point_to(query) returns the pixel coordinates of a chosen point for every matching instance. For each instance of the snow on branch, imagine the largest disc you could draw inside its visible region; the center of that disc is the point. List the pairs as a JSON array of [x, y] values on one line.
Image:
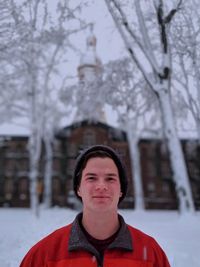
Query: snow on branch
[[124, 27], [164, 20], [145, 36]]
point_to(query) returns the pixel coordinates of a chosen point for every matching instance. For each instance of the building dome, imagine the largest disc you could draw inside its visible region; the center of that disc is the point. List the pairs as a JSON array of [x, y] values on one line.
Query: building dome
[[90, 73], [90, 64]]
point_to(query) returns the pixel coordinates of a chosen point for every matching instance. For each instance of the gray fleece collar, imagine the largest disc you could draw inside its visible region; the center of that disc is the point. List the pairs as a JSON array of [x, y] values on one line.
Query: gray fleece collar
[[78, 240]]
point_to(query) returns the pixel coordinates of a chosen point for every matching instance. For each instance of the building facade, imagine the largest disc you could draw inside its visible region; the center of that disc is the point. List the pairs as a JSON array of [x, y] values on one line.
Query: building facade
[[158, 186]]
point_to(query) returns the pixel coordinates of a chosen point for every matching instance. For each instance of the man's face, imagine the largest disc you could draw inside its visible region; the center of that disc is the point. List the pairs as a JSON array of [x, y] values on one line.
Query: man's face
[[100, 185]]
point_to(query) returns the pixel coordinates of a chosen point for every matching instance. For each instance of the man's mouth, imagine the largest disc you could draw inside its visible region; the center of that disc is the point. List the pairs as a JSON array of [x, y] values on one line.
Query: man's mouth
[[101, 197]]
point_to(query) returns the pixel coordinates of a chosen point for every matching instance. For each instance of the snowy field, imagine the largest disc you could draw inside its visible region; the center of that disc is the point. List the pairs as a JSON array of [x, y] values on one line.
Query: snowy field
[[178, 235]]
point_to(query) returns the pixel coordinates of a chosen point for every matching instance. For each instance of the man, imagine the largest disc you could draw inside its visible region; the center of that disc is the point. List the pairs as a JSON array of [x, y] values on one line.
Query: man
[[98, 236]]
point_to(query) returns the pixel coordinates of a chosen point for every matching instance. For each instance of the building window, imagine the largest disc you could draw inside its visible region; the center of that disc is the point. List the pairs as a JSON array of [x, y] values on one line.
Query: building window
[[70, 167], [165, 188], [151, 168], [72, 150], [164, 150], [151, 189], [8, 188], [89, 138], [56, 145], [193, 169], [166, 172], [191, 149], [121, 152], [23, 188], [56, 186]]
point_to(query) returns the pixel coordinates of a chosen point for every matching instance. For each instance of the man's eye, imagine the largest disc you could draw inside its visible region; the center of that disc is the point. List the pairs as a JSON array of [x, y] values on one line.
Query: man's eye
[[90, 178], [111, 179]]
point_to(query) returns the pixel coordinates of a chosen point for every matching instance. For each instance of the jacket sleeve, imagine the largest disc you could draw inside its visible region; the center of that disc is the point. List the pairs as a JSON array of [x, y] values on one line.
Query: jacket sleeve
[[49, 248], [160, 256], [34, 258]]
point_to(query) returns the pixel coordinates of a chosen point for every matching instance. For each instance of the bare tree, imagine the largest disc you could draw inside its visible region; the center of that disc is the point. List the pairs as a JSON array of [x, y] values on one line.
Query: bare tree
[[8, 75], [186, 39], [126, 93], [42, 41], [146, 40]]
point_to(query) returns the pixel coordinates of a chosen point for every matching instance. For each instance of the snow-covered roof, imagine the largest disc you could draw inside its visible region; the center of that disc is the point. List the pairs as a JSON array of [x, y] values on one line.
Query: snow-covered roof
[[182, 134], [13, 129]]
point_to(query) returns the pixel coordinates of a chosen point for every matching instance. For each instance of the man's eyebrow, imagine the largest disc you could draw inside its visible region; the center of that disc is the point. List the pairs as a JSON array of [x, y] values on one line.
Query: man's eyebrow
[[111, 174], [90, 173], [107, 174]]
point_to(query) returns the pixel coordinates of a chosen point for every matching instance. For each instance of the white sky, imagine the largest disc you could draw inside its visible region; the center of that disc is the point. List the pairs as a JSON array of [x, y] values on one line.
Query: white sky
[[109, 43], [109, 47]]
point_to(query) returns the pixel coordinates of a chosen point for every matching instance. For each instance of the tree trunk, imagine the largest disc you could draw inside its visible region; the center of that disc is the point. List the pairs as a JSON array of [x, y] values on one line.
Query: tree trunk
[[180, 175], [48, 173], [34, 153], [136, 168], [34, 201]]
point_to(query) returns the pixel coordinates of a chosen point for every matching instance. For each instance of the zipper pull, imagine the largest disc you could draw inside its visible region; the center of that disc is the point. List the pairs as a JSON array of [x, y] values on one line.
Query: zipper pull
[[145, 253]]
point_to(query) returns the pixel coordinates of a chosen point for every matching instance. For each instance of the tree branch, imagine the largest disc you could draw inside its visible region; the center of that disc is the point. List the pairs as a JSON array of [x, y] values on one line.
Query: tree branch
[[127, 42]]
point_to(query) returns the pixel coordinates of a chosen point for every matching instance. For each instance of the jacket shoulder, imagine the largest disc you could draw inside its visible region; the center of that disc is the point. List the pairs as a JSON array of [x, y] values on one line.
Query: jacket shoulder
[[51, 247], [147, 247], [140, 235]]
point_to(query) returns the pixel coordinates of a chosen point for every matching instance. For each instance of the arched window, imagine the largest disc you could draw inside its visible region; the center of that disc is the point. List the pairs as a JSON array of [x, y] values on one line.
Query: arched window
[[89, 138]]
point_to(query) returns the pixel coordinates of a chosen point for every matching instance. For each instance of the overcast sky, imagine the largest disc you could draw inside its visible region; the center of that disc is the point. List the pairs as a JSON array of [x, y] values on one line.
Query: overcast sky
[[109, 43], [109, 47]]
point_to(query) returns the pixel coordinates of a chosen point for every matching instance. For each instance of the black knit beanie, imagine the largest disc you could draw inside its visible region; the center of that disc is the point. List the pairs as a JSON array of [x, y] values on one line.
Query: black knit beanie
[[113, 154]]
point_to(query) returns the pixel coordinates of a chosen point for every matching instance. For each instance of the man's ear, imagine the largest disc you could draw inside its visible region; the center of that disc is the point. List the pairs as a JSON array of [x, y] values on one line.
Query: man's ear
[[120, 194], [78, 193]]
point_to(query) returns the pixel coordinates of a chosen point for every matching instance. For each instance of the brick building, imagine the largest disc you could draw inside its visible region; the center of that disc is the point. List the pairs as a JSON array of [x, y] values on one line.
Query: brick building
[[158, 186]]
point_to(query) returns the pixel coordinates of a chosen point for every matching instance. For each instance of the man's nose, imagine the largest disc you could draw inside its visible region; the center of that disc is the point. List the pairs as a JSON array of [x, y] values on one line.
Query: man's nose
[[101, 185]]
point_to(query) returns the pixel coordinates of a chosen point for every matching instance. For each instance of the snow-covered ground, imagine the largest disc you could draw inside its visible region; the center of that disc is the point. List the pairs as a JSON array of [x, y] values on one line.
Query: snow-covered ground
[[178, 235]]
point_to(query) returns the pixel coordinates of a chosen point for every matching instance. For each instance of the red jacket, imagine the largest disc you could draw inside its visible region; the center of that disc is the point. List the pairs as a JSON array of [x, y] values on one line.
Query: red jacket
[[68, 247]]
